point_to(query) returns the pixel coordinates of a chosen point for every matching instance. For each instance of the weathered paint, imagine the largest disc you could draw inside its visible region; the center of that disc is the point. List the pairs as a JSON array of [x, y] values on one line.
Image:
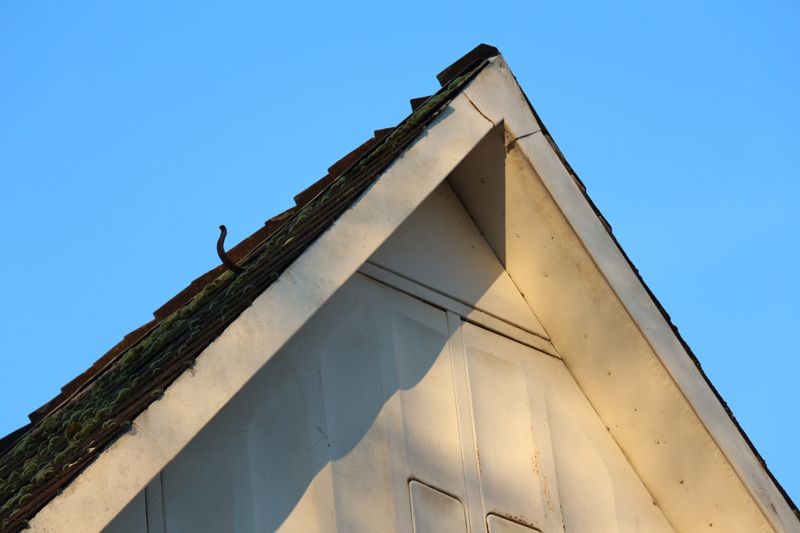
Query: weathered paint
[[356, 426]]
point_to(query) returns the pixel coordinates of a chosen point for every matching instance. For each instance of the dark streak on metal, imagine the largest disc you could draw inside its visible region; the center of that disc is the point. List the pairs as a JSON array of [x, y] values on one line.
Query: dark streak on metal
[[478, 109], [513, 141]]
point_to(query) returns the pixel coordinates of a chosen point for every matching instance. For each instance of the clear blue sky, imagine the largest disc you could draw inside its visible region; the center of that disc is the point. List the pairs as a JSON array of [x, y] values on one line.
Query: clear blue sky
[[130, 130]]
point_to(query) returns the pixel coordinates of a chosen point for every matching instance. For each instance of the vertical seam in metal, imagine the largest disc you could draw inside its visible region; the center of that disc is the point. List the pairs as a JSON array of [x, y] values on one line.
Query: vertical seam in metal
[[469, 457]]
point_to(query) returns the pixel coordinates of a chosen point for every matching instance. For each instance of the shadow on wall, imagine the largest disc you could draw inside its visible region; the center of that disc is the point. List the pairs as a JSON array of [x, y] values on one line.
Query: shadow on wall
[[279, 443]]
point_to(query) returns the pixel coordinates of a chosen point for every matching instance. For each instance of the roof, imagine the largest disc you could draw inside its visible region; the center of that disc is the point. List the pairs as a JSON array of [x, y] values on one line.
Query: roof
[[70, 431]]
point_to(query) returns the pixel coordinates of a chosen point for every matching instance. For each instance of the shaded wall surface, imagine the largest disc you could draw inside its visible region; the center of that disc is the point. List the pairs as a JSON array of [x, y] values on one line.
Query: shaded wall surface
[[385, 413]]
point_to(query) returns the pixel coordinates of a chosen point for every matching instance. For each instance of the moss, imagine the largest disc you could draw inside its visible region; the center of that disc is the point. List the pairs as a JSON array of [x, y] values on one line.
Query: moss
[[87, 427], [71, 429], [59, 457], [122, 395], [156, 394], [13, 478], [23, 493], [128, 357], [109, 424], [29, 468], [55, 442], [43, 474]]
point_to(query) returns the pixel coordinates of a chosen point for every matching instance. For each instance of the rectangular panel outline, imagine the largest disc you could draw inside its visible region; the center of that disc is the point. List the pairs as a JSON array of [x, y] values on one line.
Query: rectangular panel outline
[[516, 521], [542, 520], [445, 493], [464, 311], [466, 425], [154, 505]]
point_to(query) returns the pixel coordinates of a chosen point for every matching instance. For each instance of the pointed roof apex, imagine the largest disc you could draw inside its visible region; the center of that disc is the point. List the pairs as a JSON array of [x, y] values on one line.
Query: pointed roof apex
[[479, 53], [309, 251]]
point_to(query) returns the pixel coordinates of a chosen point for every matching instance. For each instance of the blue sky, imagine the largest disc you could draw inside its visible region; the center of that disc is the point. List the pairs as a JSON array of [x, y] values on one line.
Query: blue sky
[[130, 131]]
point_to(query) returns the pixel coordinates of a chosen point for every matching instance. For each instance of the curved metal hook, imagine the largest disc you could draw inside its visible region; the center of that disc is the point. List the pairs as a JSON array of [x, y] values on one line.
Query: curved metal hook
[[223, 232]]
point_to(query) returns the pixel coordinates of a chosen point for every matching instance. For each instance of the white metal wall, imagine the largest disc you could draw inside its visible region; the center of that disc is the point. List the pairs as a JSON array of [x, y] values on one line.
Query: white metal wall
[[385, 413]]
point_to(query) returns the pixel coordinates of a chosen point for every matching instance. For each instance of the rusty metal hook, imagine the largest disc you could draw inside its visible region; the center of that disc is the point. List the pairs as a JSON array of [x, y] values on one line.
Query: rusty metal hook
[[227, 261]]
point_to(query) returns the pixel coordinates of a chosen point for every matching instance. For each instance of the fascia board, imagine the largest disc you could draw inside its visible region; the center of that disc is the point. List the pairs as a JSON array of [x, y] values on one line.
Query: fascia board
[[101, 491], [496, 94]]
